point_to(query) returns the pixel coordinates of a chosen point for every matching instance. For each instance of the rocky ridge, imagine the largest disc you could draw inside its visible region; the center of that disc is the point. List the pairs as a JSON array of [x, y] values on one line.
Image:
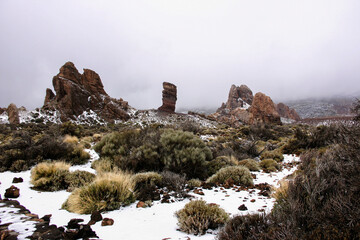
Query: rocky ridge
[[76, 93], [244, 108]]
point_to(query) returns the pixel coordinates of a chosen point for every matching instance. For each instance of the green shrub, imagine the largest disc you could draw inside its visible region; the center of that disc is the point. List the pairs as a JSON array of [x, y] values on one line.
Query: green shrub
[[184, 153], [197, 216], [269, 165], [222, 161], [71, 129], [108, 192], [274, 154], [239, 174], [251, 164]]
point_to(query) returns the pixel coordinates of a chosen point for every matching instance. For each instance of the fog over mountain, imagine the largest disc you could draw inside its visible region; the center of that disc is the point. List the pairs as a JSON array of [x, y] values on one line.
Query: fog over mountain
[[286, 49]]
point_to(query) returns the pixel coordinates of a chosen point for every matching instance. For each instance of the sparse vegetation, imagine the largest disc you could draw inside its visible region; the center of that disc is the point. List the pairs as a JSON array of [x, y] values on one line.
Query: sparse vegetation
[[251, 164], [269, 165], [197, 216]]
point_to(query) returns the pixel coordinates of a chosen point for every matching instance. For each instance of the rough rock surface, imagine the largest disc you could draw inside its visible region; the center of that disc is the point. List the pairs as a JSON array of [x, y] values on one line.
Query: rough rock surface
[[2, 110], [12, 192], [76, 93], [13, 114], [286, 112], [244, 108], [263, 110], [169, 97]]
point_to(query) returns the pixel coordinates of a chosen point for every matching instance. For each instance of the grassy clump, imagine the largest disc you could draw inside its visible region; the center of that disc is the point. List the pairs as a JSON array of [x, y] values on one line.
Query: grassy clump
[[55, 176], [194, 183], [269, 165], [251, 164], [108, 192], [238, 174], [222, 161], [197, 216]]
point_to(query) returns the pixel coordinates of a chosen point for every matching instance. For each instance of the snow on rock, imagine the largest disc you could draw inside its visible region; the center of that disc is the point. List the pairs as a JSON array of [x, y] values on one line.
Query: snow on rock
[[4, 118]]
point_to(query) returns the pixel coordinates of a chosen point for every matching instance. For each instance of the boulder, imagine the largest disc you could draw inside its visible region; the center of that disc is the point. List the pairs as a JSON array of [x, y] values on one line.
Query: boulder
[[169, 97], [239, 97], [12, 192], [76, 93], [13, 114], [263, 110], [286, 112], [140, 204], [17, 180]]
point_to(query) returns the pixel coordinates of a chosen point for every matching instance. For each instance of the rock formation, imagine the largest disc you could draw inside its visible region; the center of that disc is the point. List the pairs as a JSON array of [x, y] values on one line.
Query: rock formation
[[76, 93], [263, 110], [244, 108], [286, 112], [2, 110], [169, 97], [13, 114]]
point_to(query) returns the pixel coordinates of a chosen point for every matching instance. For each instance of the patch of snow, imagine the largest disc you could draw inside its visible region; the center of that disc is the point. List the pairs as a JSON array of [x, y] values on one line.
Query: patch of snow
[[88, 117], [47, 116], [4, 118], [287, 120]]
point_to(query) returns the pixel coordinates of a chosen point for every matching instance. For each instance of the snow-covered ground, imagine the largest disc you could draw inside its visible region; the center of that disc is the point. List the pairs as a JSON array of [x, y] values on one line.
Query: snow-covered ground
[[156, 222]]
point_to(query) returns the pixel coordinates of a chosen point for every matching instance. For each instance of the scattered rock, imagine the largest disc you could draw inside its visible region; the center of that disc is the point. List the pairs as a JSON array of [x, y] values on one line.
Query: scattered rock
[[169, 97], [17, 180], [107, 222], [74, 223], [12, 192], [199, 192], [242, 207], [13, 114], [46, 218], [252, 200]]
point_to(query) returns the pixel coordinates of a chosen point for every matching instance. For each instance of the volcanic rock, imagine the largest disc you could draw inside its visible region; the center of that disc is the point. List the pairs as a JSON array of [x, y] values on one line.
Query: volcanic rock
[[169, 97], [286, 112], [13, 114], [76, 93], [239, 97], [18, 180], [12, 192], [2, 110], [263, 110], [96, 216], [107, 222], [242, 207]]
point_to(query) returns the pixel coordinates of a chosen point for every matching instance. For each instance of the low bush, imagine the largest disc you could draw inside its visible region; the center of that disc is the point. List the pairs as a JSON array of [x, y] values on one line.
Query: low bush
[[245, 227], [251, 164], [78, 179], [108, 192], [146, 184], [240, 175], [274, 154], [269, 165], [194, 183], [197, 216], [184, 153], [174, 182], [104, 165]]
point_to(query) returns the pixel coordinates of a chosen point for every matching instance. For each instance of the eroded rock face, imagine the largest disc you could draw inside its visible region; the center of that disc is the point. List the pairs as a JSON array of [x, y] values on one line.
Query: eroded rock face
[[76, 93], [13, 114], [263, 110], [244, 108], [169, 97], [286, 112]]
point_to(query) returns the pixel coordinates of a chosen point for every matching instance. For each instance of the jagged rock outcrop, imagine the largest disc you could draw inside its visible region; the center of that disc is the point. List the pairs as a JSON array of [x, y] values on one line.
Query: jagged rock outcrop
[[2, 110], [76, 93], [263, 110], [169, 97], [13, 114], [244, 108], [286, 112]]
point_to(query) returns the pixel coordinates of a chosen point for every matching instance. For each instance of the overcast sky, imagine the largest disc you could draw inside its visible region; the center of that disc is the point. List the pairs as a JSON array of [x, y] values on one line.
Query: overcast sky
[[285, 49]]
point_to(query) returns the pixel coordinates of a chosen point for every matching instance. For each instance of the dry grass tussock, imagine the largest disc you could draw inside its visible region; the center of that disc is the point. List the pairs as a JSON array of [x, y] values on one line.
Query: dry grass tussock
[[108, 192], [42, 173], [239, 174], [71, 140]]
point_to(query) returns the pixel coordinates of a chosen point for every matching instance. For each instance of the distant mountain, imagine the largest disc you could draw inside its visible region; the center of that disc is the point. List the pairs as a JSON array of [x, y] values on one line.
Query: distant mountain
[[313, 108]]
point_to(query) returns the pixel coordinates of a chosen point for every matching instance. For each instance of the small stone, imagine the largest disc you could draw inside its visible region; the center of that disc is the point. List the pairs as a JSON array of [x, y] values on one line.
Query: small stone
[[107, 222], [199, 192], [12, 192], [140, 204], [252, 200], [242, 207], [96, 216], [17, 180], [46, 218], [74, 223]]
